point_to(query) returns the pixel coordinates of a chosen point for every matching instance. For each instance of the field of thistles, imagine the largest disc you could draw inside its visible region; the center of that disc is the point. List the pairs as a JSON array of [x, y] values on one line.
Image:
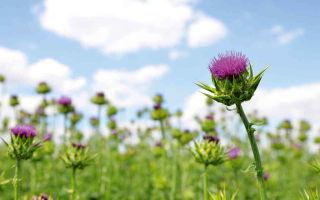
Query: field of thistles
[[232, 155]]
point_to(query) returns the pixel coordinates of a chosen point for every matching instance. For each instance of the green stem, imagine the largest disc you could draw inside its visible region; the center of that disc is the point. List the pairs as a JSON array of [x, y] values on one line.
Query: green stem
[[65, 127], [162, 129], [16, 180], [99, 116], [73, 184], [205, 183], [255, 150]]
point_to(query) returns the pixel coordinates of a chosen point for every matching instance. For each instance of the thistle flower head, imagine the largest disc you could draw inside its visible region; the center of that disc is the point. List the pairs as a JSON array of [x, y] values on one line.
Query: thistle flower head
[[228, 64], [22, 145], [209, 153], [114, 132], [43, 88], [209, 117], [25, 130], [99, 99], [100, 94], [40, 111], [233, 153], [233, 79], [266, 176], [94, 121], [211, 138], [159, 144], [47, 137], [79, 146], [64, 100], [44, 197], [2, 78], [157, 106], [14, 101]]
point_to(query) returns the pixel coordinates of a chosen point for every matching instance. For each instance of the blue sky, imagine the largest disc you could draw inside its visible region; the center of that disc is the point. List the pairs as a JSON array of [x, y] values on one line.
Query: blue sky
[[284, 34]]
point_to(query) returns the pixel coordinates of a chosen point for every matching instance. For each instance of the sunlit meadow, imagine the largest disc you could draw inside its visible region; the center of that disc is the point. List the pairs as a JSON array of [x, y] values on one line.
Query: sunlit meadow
[[159, 100]]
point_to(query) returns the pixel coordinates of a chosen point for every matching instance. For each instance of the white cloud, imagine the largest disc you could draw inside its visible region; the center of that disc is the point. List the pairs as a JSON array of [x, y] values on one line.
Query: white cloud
[[297, 102], [276, 29], [175, 54], [126, 88], [205, 31], [285, 37], [294, 103], [14, 66], [123, 26]]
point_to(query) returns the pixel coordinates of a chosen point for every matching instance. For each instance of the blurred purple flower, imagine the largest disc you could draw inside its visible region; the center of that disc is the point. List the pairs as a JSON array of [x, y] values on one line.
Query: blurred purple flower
[[64, 100], [47, 137], [233, 153], [298, 146], [228, 64], [159, 144], [211, 138], [100, 94], [44, 197], [79, 146], [114, 132], [40, 111], [26, 130], [209, 117], [157, 106], [266, 176]]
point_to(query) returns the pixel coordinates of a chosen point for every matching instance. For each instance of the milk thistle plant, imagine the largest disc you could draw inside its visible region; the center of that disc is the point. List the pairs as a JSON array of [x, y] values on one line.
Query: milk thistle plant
[[76, 156], [99, 100], [159, 114], [208, 152], [234, 83], [22, 147]]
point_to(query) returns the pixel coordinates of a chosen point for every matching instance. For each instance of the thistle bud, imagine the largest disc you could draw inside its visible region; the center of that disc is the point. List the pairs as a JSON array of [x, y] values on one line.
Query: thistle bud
[[2, 79], [14, 101], [159, 113], [64, 105], [112, 110], [208, 125], [186, 137], [94, 121], [158, 99], [112, 124], [75, 118], [209, 153], [99, 99], [77, 156], [43, 88]]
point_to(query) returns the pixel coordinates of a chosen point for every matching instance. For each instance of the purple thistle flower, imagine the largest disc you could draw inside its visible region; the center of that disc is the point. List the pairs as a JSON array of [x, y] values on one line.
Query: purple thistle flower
[[26, 130], [79, 146], [266, 176], [298, 146], [100, 94], [40, 111], [64, 100], [47, 137], [209, 117], [114, 132], [157, 106], [211, 138], [233, 153], [159, 144], [44, 197], [228, 64]]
